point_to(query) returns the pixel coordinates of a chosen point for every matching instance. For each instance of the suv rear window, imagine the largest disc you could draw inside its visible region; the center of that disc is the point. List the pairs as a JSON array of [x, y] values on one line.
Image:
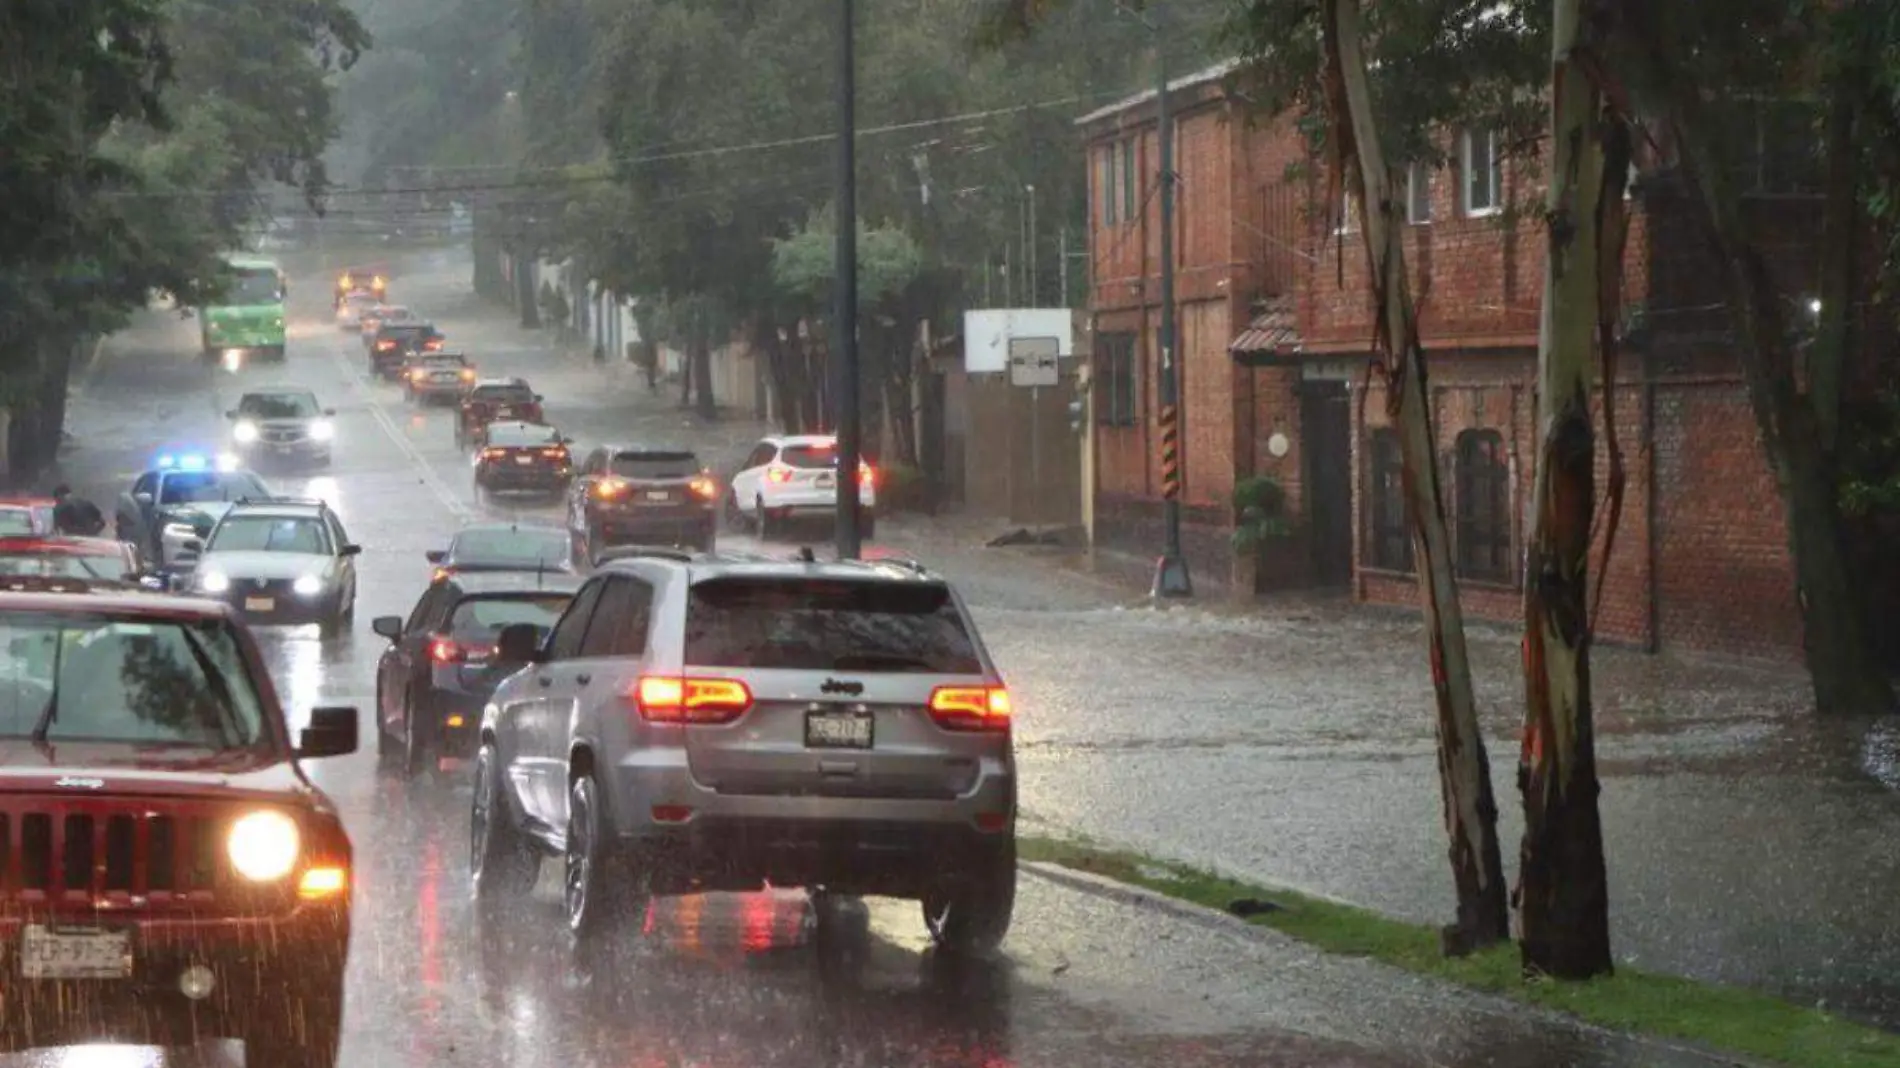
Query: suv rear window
[[652, 465], [828, 626], [810, 457], [522, 434], [481, 618], [407, 332], [504, 394]]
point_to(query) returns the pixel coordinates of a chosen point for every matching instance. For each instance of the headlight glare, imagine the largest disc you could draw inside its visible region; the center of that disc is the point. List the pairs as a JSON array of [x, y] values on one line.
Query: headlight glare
[[322, 430], [245, 432], [214, 582], [263, 846], [308, 586]]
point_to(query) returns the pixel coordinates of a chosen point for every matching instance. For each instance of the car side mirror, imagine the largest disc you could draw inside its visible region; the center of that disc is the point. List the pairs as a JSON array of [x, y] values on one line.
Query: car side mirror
[[142, 498], [351, 550], [436, 556], [196, 545], [330, 412], [520, 643], [331, 733], [387, 626], [231, 413]]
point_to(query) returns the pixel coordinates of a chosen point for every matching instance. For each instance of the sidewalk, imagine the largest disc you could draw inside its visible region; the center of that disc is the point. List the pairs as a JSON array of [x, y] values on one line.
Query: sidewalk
[[1290, 743]]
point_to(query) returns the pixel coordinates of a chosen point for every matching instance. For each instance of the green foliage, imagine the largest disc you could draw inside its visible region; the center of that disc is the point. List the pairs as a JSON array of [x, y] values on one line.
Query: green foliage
[[805, 265], [1259, 512], [1870, 464]]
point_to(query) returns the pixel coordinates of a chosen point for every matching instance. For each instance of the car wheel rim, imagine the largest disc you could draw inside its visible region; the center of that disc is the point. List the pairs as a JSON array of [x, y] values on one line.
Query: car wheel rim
[[580, 849], [479, 816]]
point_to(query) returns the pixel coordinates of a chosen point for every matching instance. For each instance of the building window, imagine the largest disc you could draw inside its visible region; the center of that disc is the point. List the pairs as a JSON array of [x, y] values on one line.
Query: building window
[[1348, 221], [1107, 184], [1482, 172], [1129, 184], [1418, 194], [1115, 378], [1482, 478], [1389, 536]]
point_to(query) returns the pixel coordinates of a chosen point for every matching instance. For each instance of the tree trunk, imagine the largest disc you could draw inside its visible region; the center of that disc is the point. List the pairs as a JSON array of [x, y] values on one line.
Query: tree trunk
[[1563, 903], [1469, 806], [708, 407]]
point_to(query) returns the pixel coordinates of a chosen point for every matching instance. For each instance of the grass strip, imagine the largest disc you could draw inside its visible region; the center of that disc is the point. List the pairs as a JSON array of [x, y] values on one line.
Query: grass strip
[[1721, 1018]]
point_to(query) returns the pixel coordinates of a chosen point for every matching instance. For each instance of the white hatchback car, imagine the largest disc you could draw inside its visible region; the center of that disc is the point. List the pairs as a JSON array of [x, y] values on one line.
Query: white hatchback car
[[793, 477]]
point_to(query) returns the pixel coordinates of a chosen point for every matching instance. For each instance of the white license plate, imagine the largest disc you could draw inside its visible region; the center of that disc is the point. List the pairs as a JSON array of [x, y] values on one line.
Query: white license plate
[[259, 604], [283, 446], [659, 495], [48, 954], [503, 413], [838, 730], [524, 460]]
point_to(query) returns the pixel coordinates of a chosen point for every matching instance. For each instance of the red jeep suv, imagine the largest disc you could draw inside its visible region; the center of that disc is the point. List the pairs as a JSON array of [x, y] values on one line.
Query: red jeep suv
[[167, 873]]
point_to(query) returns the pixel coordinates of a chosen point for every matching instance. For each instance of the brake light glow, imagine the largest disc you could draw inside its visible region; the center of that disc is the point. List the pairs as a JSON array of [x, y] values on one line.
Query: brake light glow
[[494, 454], [343, 282], [417, 373], [385, 346], [970, 708], [609, 488], [778, 473], [432, 345], [450, 651], [704, 487], [322, 882], [468, 376], [376, 282], [558, 452], [866, 476], [690, 699]]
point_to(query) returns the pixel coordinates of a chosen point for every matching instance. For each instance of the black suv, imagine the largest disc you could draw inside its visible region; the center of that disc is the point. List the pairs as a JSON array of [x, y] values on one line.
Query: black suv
[[643, 495], [396, 342]]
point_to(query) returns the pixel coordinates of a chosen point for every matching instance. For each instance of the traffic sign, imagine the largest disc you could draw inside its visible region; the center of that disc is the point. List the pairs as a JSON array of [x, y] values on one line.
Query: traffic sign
[[1033, 361]]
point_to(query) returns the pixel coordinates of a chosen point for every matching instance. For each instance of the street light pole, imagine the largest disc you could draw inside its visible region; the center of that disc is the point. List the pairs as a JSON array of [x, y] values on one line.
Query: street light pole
[[1171, 570], [844, 326]]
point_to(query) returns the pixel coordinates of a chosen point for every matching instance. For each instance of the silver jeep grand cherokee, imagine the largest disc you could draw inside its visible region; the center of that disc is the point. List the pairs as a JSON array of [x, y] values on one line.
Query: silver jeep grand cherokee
[[715, 723]]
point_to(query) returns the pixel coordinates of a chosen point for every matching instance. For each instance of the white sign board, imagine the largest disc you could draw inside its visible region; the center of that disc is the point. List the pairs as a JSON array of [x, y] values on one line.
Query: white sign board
[[1032, 361], [987, 333]]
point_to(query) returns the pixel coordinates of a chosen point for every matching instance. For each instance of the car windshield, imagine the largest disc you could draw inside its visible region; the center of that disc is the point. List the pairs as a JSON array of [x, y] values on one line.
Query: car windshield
[[521, 547], [279, 405], [504, 395], [481, 618], [828, 626], [191, 487], [90, 679], [102, 566], [519, 434], [256, 286], [655, 464], [16, 521], [405, 332], [810, 457], [437, 362], [271, 534]]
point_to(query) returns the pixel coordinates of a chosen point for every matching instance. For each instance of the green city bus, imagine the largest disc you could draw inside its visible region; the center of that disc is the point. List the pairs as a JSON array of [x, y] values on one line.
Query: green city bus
[[251, 316]]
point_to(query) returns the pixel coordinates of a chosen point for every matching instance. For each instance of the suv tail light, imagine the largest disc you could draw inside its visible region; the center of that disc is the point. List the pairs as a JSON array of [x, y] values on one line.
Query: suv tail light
[[449, 651], [778, 473], [432, 345], [609, 488], [689, 699], [468, 375], [385, 346], [558, 452], [970, 708], [494, 453], [866, 476], [705, 487]]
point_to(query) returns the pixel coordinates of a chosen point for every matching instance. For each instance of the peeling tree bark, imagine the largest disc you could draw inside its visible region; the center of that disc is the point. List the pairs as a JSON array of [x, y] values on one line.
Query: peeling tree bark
[[1563, 894], [1464, 770]]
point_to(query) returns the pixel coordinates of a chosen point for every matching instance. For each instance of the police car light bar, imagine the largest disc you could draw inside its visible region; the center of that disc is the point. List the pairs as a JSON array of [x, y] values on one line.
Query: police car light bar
[[196, 461]]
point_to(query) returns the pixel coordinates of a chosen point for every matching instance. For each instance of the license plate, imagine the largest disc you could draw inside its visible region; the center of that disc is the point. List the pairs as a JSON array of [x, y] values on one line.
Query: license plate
[[659, 495], [838, 730], [524, 460], [47, 954], [503, 413], [259, 604], [283, 446]]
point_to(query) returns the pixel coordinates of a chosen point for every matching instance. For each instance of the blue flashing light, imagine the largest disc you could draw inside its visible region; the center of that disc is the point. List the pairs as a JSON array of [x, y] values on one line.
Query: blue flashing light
[[194, 462], [167, 461]]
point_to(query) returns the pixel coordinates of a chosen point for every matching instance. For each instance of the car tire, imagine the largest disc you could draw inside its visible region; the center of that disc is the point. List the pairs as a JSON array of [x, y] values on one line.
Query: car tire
[[335, 625], [970, 912], [736, 518], [416, 750], [385, 751], [503, 865], [303, 1032], [762, 521], [597, 892]]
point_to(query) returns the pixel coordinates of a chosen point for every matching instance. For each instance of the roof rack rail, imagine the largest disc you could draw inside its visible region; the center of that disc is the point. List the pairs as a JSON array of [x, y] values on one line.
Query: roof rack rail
[[905, 562], [652, 552], [274, 499]]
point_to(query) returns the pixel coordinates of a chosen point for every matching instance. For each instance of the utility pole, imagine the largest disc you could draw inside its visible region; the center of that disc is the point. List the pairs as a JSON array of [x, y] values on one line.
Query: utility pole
[[845, 319], [1035, 279], [1171, 570]]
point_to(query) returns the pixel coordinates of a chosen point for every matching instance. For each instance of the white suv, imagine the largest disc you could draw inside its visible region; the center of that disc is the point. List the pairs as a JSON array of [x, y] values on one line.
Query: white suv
[[796, 476]]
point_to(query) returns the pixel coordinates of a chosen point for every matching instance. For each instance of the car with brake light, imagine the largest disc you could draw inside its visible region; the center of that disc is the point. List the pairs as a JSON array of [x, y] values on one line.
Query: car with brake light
[[98, 561], [371, 284], [506, 547], [493, 399], [349, 314], [643, 495], [281, 561], [178, 500], [171, 873], [438, 377], [394, 345], [790, 478], [384, 315], [286, 424], [696, 723], [442, 665], [27, 515], [523, 458]]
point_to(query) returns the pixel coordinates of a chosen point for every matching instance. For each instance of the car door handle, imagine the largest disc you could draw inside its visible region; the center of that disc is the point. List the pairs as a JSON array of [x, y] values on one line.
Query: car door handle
[[583, 680]]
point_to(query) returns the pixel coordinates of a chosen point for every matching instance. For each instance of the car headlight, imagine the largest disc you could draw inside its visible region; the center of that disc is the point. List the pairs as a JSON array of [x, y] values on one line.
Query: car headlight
[[322, 430], [214, 581], [245, 432], [263, 846], [308, 586]]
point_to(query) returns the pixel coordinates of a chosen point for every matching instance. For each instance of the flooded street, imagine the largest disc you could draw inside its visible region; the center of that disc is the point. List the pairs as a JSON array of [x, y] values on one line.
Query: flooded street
[[1746, 843]]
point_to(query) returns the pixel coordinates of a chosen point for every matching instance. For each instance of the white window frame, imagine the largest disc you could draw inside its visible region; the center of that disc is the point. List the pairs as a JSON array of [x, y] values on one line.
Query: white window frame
[[1109, 170], [1348, 222], [1418, 179], [1493, 171]]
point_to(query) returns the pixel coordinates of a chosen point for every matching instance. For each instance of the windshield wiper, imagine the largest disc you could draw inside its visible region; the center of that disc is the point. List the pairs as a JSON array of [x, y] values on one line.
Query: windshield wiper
[[45, 725]]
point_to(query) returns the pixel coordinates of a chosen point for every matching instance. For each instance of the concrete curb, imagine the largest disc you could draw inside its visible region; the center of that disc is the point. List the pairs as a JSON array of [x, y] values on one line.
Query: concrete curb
[[1216, 920]]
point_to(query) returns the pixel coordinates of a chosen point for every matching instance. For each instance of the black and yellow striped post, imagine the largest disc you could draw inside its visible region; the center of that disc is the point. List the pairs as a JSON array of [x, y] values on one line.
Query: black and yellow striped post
[[1170, 455]]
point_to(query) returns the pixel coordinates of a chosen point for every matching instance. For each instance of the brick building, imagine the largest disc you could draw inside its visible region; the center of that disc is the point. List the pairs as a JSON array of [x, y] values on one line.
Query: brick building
[[1275, 321]]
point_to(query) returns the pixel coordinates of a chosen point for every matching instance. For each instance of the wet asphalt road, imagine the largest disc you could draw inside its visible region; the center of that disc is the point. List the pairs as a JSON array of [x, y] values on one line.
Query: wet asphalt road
[[1087, 978]]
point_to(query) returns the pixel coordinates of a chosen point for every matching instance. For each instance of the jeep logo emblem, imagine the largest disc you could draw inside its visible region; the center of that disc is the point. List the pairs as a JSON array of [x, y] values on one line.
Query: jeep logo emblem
[[72, 782], [843, 686]]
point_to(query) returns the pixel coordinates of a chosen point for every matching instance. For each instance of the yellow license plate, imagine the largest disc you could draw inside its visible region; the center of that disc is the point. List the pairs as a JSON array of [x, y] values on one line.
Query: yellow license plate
[[259, 604]]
